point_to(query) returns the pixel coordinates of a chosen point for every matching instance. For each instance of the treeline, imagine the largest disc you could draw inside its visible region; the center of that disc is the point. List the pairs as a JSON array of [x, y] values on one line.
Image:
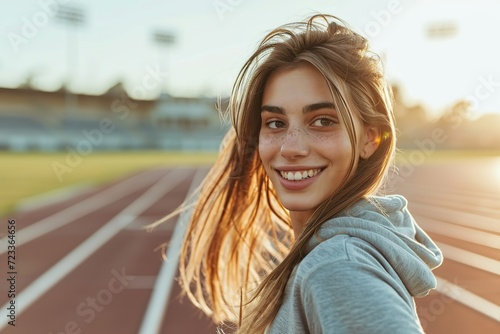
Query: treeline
[[457, 128]]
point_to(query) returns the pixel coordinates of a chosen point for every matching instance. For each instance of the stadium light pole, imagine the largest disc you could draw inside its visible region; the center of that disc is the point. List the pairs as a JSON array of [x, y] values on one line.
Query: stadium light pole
[[163, 40], [72, 17], [441, 30]]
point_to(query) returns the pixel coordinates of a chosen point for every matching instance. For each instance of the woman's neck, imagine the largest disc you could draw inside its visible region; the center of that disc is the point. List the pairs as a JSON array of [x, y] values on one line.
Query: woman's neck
[[299, 219]]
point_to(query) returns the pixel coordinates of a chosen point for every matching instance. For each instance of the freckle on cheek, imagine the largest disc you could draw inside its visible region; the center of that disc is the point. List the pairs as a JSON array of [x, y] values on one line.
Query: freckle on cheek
[[320, 138], [269, 140], [277, 140]]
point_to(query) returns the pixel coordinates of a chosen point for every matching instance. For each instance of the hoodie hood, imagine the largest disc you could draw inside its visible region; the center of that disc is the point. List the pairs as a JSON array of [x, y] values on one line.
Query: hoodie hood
[[386, 224]]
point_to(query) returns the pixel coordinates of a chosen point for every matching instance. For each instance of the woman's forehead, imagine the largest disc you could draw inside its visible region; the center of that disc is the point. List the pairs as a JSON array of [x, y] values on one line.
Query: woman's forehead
[[299, 83]]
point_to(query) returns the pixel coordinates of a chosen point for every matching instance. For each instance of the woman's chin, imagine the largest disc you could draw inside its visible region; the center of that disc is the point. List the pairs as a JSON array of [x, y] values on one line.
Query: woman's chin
[[299, 207]]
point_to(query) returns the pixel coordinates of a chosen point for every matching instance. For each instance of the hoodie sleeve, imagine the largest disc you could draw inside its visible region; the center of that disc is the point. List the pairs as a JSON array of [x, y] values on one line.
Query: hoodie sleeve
[[352, 297]]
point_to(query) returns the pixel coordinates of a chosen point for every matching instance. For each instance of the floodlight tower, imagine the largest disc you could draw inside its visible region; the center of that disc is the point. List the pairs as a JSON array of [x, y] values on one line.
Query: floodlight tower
[[441, 30], [163, 40], [73, 17]]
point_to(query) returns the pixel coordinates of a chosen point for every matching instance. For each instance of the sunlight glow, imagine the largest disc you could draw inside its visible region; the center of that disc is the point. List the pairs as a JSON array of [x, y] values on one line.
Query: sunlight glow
[[496, 168]]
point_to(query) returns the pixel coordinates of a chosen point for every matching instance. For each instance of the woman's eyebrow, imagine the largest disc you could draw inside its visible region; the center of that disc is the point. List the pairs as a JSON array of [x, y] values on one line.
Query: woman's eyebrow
[[317, 106], [305, 109], [273, 109]]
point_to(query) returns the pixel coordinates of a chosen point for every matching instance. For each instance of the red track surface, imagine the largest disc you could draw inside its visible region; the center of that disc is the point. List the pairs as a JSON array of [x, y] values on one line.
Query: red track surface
[[107, 289]]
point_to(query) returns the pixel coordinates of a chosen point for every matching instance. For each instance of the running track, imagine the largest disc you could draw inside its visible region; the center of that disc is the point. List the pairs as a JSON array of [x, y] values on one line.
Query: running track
[[85, 265]]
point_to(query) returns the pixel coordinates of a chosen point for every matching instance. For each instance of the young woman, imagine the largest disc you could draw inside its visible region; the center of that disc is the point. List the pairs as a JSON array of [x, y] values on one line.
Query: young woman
[[288, 233]]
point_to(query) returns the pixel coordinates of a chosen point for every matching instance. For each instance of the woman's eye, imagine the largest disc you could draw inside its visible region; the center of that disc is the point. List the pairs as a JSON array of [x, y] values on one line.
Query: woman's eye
[[275, 124], [321, 122]]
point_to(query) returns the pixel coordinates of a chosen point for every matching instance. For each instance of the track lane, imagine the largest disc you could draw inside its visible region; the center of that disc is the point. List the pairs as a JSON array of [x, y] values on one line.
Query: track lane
[[158, 302], [43, 315], [464, 218], [66, 215], [131, 249]]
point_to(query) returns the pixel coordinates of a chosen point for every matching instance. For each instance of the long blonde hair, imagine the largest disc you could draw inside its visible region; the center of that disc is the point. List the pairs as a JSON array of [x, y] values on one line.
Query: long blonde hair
[[239, 248]]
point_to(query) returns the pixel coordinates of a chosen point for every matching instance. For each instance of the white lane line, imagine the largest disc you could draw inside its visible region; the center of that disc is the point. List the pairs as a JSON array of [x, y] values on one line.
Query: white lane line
[[457, 217], [76, 211], [468, 298], [468, 258], [58, 271], [469, 204], [53, 197], [460, 232], [160, 295], [486, 204], [445, 191], [451, 194]]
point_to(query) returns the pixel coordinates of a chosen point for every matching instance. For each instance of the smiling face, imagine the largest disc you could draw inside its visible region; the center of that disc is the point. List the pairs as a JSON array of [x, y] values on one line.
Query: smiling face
[[303, 146]]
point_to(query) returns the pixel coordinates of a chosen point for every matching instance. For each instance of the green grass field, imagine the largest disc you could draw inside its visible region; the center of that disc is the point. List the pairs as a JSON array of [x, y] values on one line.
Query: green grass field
[[23, 175]]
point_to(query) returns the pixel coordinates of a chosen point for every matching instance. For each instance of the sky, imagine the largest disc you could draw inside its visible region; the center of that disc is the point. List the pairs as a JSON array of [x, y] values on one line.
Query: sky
[[213, 38]]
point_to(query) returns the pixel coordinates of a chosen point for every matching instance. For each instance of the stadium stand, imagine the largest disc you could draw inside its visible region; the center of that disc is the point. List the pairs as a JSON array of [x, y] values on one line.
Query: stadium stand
[[32, 120]]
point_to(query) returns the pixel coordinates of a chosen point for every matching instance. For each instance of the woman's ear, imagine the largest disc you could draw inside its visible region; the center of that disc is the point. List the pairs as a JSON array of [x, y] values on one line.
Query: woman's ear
[[370, 141]]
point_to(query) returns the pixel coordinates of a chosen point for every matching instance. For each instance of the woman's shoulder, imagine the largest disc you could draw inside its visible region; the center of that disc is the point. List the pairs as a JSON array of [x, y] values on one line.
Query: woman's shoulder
[[340, 251], [340, 277]]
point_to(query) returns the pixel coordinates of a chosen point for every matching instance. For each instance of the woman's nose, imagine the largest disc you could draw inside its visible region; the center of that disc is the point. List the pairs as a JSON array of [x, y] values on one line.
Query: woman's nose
[[294, 144]]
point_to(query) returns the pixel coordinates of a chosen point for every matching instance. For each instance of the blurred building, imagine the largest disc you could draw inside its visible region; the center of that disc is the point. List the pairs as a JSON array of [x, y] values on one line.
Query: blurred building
[[31, 119], [187, 123]]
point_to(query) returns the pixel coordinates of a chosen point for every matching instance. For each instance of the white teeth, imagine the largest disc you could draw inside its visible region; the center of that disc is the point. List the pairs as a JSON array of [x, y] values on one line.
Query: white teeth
[[299, 175]]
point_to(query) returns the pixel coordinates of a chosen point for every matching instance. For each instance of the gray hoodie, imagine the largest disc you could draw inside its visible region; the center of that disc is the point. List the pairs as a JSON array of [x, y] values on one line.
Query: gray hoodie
[[362, 277]]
